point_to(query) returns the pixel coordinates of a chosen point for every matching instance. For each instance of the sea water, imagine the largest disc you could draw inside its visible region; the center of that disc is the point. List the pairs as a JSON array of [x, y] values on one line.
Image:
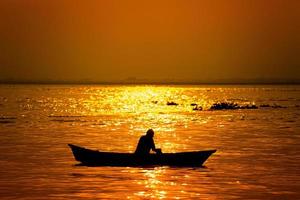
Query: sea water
[[258, 150]]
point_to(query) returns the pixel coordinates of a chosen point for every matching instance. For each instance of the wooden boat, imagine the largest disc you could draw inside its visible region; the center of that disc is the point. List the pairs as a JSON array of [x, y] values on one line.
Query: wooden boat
[[89, 157]]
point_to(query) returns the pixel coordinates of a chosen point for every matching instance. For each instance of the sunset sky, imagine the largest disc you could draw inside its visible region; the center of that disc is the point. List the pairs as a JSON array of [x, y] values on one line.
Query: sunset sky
[[111, 40]]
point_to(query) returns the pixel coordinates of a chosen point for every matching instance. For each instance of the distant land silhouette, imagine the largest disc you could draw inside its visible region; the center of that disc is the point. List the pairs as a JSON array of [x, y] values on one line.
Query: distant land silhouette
[[133, 80]]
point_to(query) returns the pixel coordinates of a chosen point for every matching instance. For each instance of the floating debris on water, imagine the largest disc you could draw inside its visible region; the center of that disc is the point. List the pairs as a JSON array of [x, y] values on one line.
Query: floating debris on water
[[172, 103], [224, 106], [231, 106], [198, 108]]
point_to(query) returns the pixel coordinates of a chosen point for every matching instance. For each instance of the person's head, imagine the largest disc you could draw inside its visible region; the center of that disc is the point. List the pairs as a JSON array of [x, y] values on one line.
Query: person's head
[[150, 133]]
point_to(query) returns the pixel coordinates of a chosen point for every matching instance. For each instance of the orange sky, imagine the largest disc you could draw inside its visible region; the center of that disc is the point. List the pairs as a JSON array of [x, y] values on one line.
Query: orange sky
[[108, 40]]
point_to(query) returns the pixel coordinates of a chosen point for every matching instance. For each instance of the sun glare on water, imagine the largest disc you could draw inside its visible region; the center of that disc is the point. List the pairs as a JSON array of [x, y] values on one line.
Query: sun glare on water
[[131, 110]]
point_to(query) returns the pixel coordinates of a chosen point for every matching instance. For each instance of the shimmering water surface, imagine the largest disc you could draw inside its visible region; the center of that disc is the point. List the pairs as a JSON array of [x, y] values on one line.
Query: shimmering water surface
[[258, 153]]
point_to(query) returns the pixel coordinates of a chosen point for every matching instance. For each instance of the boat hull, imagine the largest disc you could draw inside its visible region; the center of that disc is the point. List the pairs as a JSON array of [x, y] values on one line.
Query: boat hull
[[89, 157]]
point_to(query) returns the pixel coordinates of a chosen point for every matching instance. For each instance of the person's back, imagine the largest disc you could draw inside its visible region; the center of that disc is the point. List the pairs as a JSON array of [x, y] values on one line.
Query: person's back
[[146, 143]]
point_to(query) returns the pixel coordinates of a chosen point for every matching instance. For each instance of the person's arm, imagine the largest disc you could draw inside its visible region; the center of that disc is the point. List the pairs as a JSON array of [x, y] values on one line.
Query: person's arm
[[153, 147]]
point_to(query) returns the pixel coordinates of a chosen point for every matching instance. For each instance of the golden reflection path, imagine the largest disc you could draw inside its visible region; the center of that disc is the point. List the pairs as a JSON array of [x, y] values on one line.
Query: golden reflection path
[[140, 99], [145, 107], [152, 186], [128, 111]]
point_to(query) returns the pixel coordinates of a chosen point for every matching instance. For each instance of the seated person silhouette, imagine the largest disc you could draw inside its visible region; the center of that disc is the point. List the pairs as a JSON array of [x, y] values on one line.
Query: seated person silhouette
[[146, 143]]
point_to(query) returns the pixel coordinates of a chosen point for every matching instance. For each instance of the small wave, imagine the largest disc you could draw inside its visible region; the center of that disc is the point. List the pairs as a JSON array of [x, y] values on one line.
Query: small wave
[[65, 116], [6, 122], [237, 99], [284, 127], [7, 118], [271, 106], [290, 121], [77, 175], [67, 120], [99, 124], [282, 100]]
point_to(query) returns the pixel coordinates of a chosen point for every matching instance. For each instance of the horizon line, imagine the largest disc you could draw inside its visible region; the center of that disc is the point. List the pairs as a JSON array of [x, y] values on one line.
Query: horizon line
[[143, 82]]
